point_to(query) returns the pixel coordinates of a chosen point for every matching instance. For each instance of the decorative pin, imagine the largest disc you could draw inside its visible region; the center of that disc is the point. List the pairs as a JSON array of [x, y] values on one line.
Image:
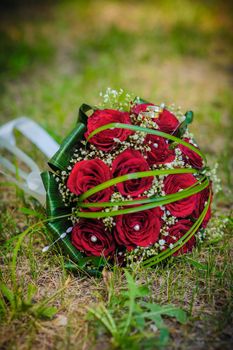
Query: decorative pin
[[155, 145], [93, 238], [137, 227], [62, 236]]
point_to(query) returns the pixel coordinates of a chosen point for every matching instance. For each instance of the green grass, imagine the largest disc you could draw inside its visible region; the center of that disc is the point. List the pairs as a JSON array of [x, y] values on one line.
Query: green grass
[[165, 51]]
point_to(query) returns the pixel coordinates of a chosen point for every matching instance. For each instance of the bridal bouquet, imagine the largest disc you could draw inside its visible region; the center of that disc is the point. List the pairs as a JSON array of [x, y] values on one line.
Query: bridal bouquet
[[128, 185]]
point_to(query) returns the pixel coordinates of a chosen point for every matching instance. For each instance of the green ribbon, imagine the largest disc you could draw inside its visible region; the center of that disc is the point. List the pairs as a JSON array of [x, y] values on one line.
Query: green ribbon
[[147, 131]]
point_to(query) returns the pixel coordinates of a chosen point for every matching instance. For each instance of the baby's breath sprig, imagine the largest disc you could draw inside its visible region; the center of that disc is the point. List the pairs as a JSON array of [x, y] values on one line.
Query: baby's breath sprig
[[212, 174], [216, 228], [135, 257], [115, 99], [176, 110]]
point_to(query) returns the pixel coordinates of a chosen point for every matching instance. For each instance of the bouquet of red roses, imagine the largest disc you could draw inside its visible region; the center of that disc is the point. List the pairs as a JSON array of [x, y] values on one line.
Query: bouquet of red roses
[[128, 185]]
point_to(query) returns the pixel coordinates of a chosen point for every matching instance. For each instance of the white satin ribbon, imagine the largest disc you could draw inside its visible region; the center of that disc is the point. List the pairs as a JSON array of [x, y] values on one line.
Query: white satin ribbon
[[31, 181]]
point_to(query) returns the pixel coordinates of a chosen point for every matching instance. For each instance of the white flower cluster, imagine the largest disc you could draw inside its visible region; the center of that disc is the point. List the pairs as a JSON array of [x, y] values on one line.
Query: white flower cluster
[[177, 111], [136, 256], [115, 99], [147, 119], [67, 196], [137, 139], [156, 187], [212, 174], [109, 221], [216, 228]]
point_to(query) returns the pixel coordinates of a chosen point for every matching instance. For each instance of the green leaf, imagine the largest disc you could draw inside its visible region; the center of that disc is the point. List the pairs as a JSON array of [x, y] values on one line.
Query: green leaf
[[163, 337], [55, 207], [61, 158], [169, 310], [133, 291], [31, 291], [46, 312], [31, 212], [156, 311], [179, 314], [183, 126], [104, 316], [7, 293], [82, 114], [197, 264], [189, 117]]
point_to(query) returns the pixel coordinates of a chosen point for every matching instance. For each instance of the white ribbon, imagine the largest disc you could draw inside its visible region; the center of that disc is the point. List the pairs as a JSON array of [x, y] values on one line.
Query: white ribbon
[[31, 181]]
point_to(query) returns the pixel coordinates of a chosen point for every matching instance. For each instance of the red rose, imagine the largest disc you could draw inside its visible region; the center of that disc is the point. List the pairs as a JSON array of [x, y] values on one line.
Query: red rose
[[160, 152], [190, 156], [203, 197], [138, 229], [131, 161], [87, 174], [106, 140], [92, 238], [166, 120], [176, 232], [175, 183]]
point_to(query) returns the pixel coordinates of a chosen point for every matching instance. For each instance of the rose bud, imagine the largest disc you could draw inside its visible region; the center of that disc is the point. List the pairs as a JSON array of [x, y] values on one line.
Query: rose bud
[[108, 139]]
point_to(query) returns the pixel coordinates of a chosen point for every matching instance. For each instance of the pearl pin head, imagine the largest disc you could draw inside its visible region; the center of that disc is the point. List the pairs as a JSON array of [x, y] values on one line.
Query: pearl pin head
[[93, 239], [137, 227]]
